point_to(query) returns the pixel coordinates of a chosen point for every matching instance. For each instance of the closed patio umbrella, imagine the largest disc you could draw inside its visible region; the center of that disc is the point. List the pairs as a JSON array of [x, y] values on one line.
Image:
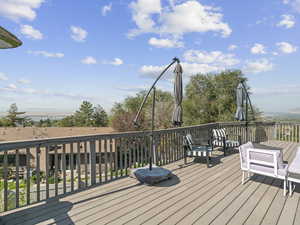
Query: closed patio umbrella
[[240, 98], [8, 40], [177, 113]]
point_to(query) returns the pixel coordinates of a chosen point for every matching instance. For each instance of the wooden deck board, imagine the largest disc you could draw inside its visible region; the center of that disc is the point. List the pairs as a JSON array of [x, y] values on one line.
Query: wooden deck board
[[257, 198], [160, 196], [161, 211], [198, 195]]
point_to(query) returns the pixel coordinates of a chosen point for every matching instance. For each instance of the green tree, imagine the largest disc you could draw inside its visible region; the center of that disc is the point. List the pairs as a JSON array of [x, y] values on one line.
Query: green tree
[[211, 97], [5, 122], [99, 116], [68, 121], [84, 116], [45, 123], [28, 122], [124, 113], [14, 115]]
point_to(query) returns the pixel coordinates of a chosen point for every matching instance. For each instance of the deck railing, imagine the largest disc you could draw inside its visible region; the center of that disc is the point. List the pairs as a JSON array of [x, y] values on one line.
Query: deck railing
[[287, 131], [36, 170]]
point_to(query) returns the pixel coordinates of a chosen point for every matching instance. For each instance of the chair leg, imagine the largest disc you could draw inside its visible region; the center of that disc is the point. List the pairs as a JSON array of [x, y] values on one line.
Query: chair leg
[[207, 159], [243, 177], [290, 187], [284, 187]]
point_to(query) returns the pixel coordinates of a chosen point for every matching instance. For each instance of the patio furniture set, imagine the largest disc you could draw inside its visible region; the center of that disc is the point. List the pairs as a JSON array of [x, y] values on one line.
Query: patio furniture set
[[254, 158], [219, 139], [269, 162]]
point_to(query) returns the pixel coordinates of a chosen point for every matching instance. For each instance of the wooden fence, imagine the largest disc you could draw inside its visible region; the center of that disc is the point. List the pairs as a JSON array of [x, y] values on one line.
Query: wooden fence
[[36, 170]]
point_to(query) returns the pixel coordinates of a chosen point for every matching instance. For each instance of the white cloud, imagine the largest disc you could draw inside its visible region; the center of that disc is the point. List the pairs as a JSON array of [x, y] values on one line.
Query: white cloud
[[11, 87], [165, 43], [31, 33], [151, 71], [29, 91], [78, 33], [106, 9], [190, 16], [232, 47], [258, 49], [214, 57], [195, 68], [21, 91], [24, 81], [3, 76], [19, 9], [286, 47], [142, 12], [195, 62], [258, 66], [284, 89], [132, 89], [117, 62], [47, 54], [189, 69], [89, 60], [295, 4], [287, 21]]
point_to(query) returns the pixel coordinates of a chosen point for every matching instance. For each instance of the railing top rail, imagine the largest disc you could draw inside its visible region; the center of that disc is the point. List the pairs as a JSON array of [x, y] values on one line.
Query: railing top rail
[[288, 122], [21, 144], [235, 123]]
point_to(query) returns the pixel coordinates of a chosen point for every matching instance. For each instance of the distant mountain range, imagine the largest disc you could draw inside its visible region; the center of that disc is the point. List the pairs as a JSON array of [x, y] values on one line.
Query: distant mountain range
[[295, 111], [293, 114], [38, 115]]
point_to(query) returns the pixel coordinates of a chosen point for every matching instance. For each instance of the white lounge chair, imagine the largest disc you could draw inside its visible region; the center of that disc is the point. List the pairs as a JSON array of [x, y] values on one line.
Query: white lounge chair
[[294, 171], [268, 162]]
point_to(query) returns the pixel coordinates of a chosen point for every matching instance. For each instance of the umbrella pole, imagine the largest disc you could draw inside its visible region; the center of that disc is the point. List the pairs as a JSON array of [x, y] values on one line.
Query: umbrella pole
[[152, 130], [246, 118], [146, 97]]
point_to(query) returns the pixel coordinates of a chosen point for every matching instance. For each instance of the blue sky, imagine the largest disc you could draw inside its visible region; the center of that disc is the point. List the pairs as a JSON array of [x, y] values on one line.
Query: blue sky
[[104, 50]]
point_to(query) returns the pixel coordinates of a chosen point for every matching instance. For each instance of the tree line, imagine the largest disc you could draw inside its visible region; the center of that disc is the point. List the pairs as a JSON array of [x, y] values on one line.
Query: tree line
[[207, 98]]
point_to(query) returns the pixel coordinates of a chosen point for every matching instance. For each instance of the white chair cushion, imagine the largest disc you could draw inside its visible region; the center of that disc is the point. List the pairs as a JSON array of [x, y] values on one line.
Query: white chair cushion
[[269, 170], [294, 167], [269, 158]]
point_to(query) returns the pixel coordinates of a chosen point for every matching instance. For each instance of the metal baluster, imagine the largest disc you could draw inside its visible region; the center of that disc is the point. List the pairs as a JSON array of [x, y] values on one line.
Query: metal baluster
[[38, 179], [79, 165], [28, 176], [64, 168], [5, 176], [85, 164]]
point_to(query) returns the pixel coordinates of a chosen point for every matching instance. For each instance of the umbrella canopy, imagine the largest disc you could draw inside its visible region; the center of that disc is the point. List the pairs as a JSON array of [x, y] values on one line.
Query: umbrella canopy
[[177, 113], [8, 40], [240, 98]]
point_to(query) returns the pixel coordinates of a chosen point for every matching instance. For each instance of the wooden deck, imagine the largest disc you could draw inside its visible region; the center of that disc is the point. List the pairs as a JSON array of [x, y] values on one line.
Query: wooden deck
[[195, 195]]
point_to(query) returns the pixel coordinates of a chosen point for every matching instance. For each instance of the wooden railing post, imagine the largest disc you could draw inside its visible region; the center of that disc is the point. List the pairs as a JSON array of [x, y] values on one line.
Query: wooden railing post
[[275, 131], [93, 161]]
